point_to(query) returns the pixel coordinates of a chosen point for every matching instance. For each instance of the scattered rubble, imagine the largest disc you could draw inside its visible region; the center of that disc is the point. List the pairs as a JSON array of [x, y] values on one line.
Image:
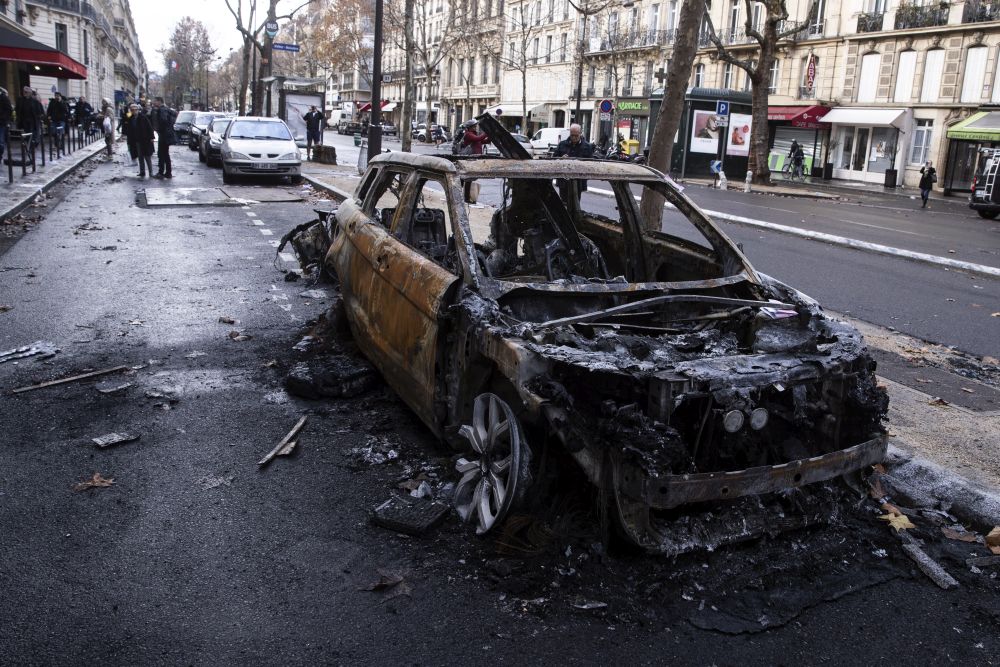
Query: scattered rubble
[[115, 439], [224, 319], [42, 349], [331, 377], [376, 451], [210, 482], [409, 515], [287, 444], [4, 308], [392, 583], [111, 387], [239, 337]]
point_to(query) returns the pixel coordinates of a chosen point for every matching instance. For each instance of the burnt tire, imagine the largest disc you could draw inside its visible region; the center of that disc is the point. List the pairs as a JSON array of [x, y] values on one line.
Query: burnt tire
[[496, 482], [989, 215]]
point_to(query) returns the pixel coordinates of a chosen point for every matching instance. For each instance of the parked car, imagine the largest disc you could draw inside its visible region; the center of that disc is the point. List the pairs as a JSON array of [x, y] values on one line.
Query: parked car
[[199, 125], [662, 363], [525, 142], [257, 146], [210, 147], [547, 137], [349, 127], [389, 129], [420, 132], [182, 125]]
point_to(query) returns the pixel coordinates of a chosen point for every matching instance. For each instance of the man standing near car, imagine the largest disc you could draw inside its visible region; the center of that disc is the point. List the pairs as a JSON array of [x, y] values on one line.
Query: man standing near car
[[575, 146], [314, 130], [163, 118]]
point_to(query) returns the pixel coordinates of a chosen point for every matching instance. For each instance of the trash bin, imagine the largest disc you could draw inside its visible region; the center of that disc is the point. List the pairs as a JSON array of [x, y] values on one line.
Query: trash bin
[[357, 138], [631, 146]]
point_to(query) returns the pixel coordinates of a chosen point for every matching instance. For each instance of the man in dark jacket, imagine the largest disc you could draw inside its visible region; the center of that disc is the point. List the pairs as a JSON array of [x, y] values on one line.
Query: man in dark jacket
[[575, 146], [140, 132], [163, 118], [29, 115], [314, 130], [83, 113], [57, 114]]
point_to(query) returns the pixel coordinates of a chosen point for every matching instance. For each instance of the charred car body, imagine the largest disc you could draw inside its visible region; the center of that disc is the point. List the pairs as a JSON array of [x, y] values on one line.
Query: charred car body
[[662, 362]]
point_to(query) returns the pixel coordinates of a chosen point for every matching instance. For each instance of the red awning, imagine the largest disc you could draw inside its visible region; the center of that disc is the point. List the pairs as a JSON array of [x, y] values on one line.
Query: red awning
[[800, 116], [367, 106], [41, 60]]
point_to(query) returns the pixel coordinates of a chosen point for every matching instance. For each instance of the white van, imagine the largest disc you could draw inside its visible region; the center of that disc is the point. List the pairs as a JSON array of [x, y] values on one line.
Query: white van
[[548, 136]]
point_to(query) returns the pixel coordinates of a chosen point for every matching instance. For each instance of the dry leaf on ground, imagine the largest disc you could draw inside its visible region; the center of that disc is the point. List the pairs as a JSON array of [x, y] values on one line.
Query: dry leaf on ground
[[391, 582], [898, 521], [993, 540], [94, 482], [960, 535]]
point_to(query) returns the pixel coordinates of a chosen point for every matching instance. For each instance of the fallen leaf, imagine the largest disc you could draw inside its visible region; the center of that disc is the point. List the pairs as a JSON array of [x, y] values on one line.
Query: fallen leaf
[[993, 540], [898, 521], [390, 582], [227, 320], [937, 400], [94, 482], [960, 535], [991, 361], [239, 337]]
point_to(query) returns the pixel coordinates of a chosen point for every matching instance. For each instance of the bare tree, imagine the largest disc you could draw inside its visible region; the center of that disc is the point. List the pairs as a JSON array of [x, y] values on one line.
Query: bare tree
[[184, 57], [251, 24], [521, 50], [767, 30], [668, 120]]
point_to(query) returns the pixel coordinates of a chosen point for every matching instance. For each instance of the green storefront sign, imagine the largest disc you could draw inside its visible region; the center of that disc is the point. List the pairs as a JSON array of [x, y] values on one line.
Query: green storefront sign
[[632, 107]]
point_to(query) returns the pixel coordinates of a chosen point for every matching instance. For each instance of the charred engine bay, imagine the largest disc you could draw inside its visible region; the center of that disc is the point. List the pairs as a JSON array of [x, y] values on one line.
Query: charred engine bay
[[800, 385]]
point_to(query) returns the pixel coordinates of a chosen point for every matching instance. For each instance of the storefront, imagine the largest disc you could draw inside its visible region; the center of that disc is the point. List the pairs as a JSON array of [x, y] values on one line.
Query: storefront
[[23, 58], [631, 120], [799, 124], [980, 130], [869, 144]]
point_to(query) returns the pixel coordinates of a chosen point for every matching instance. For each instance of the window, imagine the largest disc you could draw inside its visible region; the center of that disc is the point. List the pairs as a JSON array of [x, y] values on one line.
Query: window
[[86, 48], [591, 75], [905, 75], [562, 47], [513, 53], [628, 79], [734, 19], [816, 20], [552, 10], [699, 76], [868, 81], [548, 49], [807, 84], [534, 51], [496, 70], [746, 82], [612, 24], [758, 16], [653, 20], [672, 15], [62, 38], [773, 77], [995, 96], [975, 73], [648, 83], [485, 73], [921, 141], [609, 80], [933, 64], [565, 10], [461, 72], [727, 76]]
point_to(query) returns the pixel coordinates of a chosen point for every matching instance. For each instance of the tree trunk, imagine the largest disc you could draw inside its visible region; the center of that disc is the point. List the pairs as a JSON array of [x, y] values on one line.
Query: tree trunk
[[759, 131], [669, 118], [524, 102], [244, 77], [406, 120]]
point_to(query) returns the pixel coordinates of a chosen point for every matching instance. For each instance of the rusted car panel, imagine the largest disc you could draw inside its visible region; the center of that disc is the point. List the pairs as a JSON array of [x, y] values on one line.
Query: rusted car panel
[[671, 371]]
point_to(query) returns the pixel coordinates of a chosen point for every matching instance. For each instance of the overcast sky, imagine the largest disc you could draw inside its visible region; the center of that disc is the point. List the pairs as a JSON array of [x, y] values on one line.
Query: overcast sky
[[155, 21]]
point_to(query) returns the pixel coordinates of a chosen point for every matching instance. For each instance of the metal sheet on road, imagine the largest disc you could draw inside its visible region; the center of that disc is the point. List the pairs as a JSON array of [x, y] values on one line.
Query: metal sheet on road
[[261, 194], [186, 197]]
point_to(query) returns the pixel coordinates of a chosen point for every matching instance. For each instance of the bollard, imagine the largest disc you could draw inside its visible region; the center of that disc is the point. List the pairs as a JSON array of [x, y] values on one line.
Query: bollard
[[749, 180], [723, 183]]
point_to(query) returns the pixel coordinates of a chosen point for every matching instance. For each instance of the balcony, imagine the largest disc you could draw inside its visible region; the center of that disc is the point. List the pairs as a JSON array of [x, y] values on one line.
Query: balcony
[[921, 16], [632, 39], [590, 91], [870, 22], [126, 72], [627, 91], [980, 11], [607, 91]]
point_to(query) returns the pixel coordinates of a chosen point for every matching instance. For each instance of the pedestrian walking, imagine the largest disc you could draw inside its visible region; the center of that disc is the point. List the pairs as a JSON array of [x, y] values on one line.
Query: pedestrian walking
[[314, 131], [163, 118], [928, 177], [108, 123], [6, 115], [58, 114], [29, 117], [140, 132], [83, 112], [126, 129]]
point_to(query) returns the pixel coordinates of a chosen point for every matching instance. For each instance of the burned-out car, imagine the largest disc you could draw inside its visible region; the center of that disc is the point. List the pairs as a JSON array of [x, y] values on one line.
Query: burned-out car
[[509, 309]]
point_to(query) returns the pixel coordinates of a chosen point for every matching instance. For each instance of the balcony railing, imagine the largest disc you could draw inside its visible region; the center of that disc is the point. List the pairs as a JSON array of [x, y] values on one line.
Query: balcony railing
[[870, 22], [627, 91], [607, 91], [631, 39], [590, 91], [979, 11], [921, 16], [807, 92]]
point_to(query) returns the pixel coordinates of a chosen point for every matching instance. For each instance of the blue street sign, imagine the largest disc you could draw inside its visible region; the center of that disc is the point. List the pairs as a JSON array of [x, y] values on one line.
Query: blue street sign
[[715, 166], [721, 108], [278, 46]]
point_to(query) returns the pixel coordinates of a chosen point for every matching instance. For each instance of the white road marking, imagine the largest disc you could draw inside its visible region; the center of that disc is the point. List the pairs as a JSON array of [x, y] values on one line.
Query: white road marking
[[258, 222], [251, 214], [267, 232], [288, 257], [287, 307], [274, 244]]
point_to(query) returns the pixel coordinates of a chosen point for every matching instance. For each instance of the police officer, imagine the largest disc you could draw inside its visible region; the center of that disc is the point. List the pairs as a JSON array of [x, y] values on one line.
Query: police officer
[[163, 118]]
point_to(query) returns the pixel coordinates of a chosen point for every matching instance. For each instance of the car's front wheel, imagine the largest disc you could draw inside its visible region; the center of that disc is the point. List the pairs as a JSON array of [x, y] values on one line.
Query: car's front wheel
[[497, 477], [227, 177], [296, 180], [201, 156], [989, 215]]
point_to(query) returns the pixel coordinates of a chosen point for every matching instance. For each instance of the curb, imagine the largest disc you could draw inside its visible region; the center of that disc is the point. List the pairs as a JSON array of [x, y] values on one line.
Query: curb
[[97, 148], [338, 194], [921, 483]]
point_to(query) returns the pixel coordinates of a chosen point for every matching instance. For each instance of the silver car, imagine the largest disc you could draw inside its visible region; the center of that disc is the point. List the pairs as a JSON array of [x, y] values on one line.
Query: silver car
[[257, 146]]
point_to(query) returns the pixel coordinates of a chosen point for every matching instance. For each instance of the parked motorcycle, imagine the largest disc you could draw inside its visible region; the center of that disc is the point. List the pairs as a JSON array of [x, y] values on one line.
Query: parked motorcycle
[[615, 152]]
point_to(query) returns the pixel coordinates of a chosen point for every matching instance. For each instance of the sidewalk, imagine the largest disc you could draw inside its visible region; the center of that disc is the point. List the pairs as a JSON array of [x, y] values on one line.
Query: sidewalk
[[817, 188], [19, 194]]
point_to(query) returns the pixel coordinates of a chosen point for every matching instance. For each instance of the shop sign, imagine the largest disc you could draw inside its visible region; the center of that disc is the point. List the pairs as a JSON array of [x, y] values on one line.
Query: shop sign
[[632, 107]]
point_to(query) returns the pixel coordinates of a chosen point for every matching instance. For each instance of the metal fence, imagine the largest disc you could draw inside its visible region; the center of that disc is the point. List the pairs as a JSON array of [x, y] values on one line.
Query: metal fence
[[26, 149]]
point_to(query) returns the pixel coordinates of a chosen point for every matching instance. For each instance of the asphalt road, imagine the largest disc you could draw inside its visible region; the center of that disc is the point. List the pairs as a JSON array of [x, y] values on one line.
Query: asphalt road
[[195, 556], [927, 302]]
